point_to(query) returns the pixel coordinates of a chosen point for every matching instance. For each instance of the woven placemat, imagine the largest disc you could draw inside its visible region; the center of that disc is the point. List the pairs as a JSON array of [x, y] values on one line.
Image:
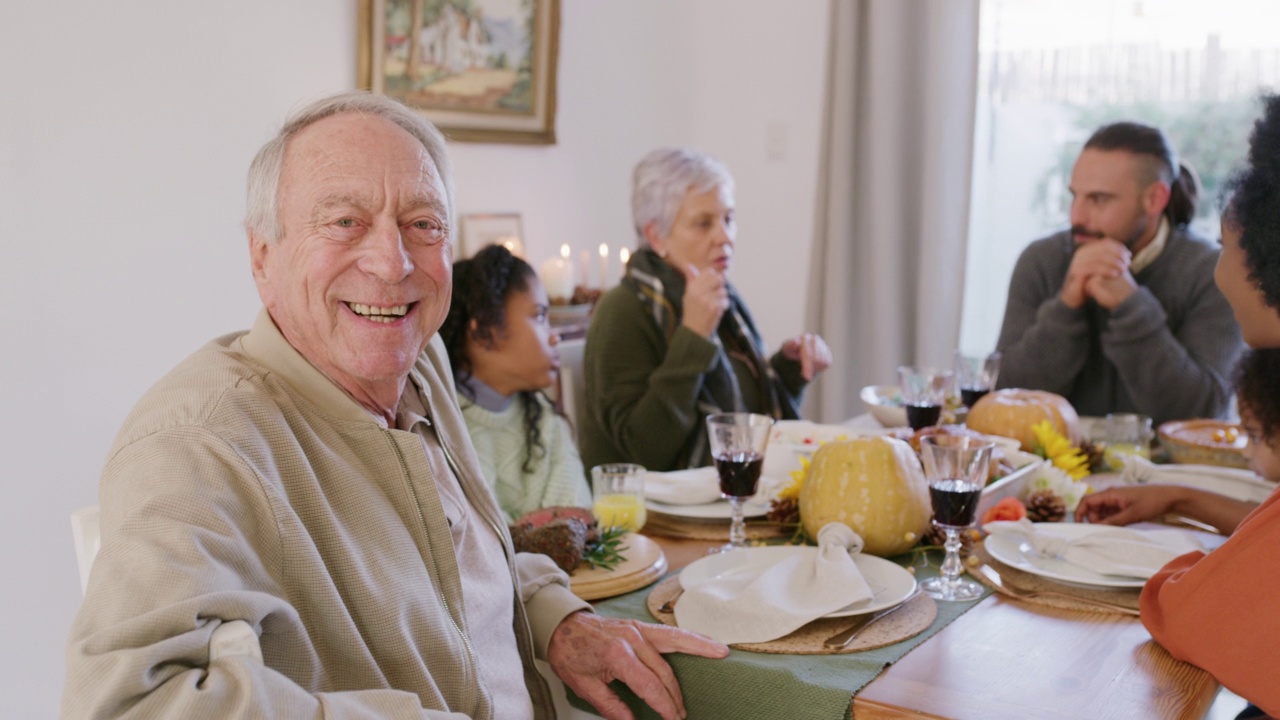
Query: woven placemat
[[1128, 597], [911, 620], [715, 530]]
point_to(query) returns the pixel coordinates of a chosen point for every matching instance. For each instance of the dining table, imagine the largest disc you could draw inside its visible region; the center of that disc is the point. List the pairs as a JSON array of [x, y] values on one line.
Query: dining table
[[1001, 658], [997, 657]]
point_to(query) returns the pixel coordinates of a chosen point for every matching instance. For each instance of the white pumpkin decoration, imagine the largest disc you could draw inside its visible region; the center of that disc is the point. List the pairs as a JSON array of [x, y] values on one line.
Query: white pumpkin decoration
[[875, 485]]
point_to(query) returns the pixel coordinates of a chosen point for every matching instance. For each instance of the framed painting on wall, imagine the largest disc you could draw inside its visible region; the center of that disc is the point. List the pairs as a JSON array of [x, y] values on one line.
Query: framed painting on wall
[[481, 229], [481, 70]]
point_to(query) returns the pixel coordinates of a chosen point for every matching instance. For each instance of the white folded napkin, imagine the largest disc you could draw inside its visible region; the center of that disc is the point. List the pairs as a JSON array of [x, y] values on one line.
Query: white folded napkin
[[683, 487], [1232, 482], [1107, 550], [761, 606]]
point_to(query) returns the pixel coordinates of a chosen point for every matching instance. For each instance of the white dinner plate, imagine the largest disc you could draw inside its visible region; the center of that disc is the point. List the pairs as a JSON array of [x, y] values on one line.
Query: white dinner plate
[[718, 510], [890, 582], [1021, 556]]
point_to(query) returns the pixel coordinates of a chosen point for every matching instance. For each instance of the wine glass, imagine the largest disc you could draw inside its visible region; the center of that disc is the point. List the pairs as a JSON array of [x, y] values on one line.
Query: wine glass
[[976, 375], [924, 391], [957, 469], [738, 442]]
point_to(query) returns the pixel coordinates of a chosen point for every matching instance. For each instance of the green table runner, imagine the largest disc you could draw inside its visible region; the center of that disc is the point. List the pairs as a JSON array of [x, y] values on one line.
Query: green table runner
[[749, 685]]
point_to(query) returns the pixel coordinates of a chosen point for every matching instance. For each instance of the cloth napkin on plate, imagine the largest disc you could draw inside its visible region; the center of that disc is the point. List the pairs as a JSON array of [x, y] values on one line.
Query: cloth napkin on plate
[[758, 607], [1232, 482], [698, 486], [1107, 550]]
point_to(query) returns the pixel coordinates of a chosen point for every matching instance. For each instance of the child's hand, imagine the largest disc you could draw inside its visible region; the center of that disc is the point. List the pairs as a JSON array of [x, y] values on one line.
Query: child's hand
[[1127, 505]]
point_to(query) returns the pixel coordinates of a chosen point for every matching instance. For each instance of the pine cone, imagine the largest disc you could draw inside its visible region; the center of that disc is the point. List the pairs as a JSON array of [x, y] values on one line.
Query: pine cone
[[785, 510], [937, 537], [1044, 506], [1096, 454]]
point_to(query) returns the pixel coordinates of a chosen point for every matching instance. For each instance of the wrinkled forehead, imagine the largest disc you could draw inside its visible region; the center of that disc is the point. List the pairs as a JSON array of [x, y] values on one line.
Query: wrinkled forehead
[[359, 157]]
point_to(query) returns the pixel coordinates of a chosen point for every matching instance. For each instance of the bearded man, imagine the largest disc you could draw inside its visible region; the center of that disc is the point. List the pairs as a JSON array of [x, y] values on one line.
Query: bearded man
[[1120, 312]]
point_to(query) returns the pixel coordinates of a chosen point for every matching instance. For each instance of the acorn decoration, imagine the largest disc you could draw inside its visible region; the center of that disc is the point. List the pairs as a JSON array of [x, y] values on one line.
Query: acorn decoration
[[1045, 506]]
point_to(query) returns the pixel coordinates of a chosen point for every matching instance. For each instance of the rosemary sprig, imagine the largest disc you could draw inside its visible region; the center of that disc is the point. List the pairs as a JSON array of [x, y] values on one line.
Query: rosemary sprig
[[606, 552]]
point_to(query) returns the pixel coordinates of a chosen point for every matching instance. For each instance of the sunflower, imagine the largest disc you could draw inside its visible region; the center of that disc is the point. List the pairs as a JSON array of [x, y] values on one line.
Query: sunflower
[[1050, 444], [792, 491]]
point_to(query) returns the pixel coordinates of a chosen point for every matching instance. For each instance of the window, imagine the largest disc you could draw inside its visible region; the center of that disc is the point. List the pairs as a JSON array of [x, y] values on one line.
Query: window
[[1052, 71]]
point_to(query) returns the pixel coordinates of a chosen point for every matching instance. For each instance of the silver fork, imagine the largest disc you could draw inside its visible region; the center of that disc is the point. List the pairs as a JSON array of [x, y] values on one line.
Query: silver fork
[[1013, 591]]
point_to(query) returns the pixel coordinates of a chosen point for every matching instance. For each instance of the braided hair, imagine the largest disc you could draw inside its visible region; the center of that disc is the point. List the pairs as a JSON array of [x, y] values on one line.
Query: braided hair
[[481, 286]]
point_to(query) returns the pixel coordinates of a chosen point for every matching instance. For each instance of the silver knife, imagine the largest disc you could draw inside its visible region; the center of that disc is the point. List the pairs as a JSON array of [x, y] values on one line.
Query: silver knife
[[846, 636]]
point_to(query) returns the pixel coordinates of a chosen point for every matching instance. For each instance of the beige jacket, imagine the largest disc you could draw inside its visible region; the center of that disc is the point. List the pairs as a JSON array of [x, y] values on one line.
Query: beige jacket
[[246, 487]]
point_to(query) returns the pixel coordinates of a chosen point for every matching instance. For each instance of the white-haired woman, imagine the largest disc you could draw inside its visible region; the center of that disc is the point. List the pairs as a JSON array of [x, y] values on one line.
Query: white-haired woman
[[674, 341]]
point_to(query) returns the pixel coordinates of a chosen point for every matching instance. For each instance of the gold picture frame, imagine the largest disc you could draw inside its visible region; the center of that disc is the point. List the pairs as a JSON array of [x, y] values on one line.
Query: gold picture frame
[[481, 70]]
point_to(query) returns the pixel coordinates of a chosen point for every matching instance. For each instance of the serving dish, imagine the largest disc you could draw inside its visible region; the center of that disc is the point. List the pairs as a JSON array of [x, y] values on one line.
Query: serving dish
[[1204, 442]]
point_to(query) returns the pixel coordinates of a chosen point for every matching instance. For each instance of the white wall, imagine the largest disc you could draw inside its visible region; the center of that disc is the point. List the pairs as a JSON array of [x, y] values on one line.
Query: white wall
[[125, 132]]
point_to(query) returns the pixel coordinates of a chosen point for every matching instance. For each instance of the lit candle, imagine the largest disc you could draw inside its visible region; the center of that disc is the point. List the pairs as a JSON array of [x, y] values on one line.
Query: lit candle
[[624, 257], [557, 276], [513, 245], [604, 266]]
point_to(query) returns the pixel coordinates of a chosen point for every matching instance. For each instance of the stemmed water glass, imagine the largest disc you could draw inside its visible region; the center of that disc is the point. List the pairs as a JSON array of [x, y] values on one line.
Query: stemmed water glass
[[924, 391], [976, 375], [956, 468], [738, 441]]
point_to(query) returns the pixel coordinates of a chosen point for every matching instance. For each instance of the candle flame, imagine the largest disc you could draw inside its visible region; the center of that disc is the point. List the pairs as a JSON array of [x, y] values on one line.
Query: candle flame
[[564, 251], [624, 255], [604, 250]]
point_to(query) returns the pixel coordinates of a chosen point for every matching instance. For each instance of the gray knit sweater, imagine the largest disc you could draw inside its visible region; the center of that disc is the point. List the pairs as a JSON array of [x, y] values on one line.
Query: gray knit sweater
[[1167, 351]]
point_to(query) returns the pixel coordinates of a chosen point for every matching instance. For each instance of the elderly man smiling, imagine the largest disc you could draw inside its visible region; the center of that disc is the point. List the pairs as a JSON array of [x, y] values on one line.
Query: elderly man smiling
[[294, 520]]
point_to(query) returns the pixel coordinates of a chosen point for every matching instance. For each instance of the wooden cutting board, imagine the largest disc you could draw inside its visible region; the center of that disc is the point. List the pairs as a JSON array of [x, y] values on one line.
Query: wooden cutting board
[[644, 563]]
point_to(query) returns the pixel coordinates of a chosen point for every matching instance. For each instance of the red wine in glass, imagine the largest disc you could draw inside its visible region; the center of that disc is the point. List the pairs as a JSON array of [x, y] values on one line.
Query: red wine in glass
[[739, 473], [970, 394], [923, 415], [955, 502]]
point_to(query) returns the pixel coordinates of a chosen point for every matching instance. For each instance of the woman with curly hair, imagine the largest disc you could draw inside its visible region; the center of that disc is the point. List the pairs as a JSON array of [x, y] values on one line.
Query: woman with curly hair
[[1217, 611], [503, 355]]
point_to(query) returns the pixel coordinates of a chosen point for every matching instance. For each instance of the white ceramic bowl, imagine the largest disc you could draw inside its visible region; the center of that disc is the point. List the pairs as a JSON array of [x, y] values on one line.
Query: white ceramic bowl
[[884, 402]]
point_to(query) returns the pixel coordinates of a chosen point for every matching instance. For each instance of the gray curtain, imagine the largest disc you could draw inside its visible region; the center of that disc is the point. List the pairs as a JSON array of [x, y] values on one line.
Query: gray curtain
[[892, 216]]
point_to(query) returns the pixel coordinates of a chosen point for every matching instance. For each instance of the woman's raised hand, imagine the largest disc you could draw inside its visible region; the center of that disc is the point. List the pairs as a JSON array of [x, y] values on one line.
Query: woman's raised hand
[[705, 299], [812, 353]]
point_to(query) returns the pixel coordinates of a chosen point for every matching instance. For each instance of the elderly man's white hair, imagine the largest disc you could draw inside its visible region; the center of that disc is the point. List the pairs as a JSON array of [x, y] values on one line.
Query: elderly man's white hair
[[662, 178], [263, 207]]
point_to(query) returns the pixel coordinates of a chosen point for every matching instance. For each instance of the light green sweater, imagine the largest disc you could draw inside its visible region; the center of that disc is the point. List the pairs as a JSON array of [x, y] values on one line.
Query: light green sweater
[[499, 438]]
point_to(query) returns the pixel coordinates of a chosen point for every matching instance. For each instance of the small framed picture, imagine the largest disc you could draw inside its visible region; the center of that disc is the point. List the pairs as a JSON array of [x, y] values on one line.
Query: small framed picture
[[477, 230]]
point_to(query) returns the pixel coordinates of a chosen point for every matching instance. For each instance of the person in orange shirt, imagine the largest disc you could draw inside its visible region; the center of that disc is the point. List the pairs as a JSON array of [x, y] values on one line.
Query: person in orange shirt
[[1217, 611]]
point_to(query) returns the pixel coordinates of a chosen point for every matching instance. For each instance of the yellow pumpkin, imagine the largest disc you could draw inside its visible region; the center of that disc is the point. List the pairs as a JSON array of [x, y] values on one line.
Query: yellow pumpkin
[[875, 485], [1012, 412]]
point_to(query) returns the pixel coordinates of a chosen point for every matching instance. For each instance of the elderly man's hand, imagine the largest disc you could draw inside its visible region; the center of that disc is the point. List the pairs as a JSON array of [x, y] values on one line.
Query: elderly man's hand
[[812, 353], [588, 652], [1102, 258]]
